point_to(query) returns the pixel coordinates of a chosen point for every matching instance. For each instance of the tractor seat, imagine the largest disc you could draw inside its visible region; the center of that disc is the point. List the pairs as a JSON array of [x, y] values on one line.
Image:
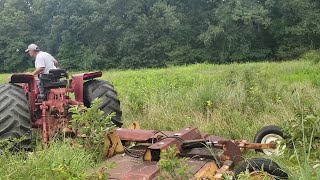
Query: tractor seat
[[56, 84], [58, 73], [52, 79], [54, 75]]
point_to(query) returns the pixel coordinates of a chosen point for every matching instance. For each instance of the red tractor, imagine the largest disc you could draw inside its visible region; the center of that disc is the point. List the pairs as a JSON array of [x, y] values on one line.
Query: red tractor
[[20, 112]]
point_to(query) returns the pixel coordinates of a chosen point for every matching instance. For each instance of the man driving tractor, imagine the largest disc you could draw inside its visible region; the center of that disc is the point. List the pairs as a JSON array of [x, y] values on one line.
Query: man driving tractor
[[43, 63]]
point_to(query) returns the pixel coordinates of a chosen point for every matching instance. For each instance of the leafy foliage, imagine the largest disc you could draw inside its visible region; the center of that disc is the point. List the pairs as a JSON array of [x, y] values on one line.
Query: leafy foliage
[[304, 136], [7, 146], [92, 126], [172, 167], [313, 56]]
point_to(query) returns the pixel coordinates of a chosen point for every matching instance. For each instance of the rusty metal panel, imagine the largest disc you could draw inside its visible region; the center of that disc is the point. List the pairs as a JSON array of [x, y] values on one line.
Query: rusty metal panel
[[213, 138], [166, 133], [129, 168], [185, 134], [195, 165], [153, 151], [206, 172], [147, 170], [258, 146], [77, 86], [231, 151], [202, 153], [223, 170], [132, 168], [136, 135]]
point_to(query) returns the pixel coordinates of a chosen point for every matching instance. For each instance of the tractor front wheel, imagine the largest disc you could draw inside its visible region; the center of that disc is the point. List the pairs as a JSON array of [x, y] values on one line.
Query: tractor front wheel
[[109, 100], [15, 118]]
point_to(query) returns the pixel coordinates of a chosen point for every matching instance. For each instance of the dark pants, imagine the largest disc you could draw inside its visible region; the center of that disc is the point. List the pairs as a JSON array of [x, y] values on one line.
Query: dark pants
[[43, 91]]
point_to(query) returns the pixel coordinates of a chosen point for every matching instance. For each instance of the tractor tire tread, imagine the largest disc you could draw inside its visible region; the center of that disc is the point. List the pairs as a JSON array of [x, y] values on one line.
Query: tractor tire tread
[[109, 101], [14, 114]]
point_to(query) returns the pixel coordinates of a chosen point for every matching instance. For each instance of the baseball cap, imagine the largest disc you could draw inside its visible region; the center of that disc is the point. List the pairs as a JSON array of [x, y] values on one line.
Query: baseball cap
[[32, 47]]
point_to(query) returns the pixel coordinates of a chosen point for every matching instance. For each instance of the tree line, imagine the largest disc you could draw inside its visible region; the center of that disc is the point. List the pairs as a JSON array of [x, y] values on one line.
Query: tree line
[[104, 34]]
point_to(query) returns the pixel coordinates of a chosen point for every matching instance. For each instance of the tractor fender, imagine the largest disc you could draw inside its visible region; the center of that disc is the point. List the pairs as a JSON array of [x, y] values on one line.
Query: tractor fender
[[78, 80], [22, 78], [29, 84]]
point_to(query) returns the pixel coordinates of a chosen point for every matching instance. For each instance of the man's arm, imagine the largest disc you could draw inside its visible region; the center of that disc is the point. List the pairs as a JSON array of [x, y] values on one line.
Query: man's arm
[[55, 62], [37, 71]]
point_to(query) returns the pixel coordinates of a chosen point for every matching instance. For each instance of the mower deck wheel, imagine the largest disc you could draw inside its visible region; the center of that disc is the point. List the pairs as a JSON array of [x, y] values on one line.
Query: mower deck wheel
[[270, 134], [260, 168]]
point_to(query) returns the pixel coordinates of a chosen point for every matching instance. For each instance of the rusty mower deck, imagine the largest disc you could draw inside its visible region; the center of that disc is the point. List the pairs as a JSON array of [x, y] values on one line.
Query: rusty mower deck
[[136, 153]]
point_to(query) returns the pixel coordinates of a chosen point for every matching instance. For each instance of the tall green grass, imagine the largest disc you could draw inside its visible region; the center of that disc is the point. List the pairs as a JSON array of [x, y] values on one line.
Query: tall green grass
[[229, 100], [59, 161], [4, 78], [233, 100]]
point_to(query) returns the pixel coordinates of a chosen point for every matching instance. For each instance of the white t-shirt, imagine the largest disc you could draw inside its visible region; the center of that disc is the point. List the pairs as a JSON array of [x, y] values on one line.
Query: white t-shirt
[[45, 60]]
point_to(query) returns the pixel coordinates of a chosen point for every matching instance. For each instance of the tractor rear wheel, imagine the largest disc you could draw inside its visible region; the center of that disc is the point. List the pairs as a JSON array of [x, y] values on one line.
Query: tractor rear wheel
[[109, 100], [15, 118]]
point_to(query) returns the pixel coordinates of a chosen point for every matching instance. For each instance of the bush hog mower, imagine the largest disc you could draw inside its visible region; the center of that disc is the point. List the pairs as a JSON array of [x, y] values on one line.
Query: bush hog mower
[[20, 112], [136, 153]]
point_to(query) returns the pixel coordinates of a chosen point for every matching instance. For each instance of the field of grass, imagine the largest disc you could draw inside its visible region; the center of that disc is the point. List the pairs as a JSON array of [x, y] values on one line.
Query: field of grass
[[233, 100], [214, 98]]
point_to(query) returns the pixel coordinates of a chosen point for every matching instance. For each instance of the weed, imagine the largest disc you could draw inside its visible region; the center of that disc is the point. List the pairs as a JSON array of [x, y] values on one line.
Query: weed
[[92, 126], [172, 167], [304, 135], [7, 146]]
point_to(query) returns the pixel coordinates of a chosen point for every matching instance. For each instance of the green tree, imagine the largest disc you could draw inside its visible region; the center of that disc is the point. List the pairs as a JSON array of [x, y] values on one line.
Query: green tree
[[104, 34], [239, 31], [15, 31], [295, 26]]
